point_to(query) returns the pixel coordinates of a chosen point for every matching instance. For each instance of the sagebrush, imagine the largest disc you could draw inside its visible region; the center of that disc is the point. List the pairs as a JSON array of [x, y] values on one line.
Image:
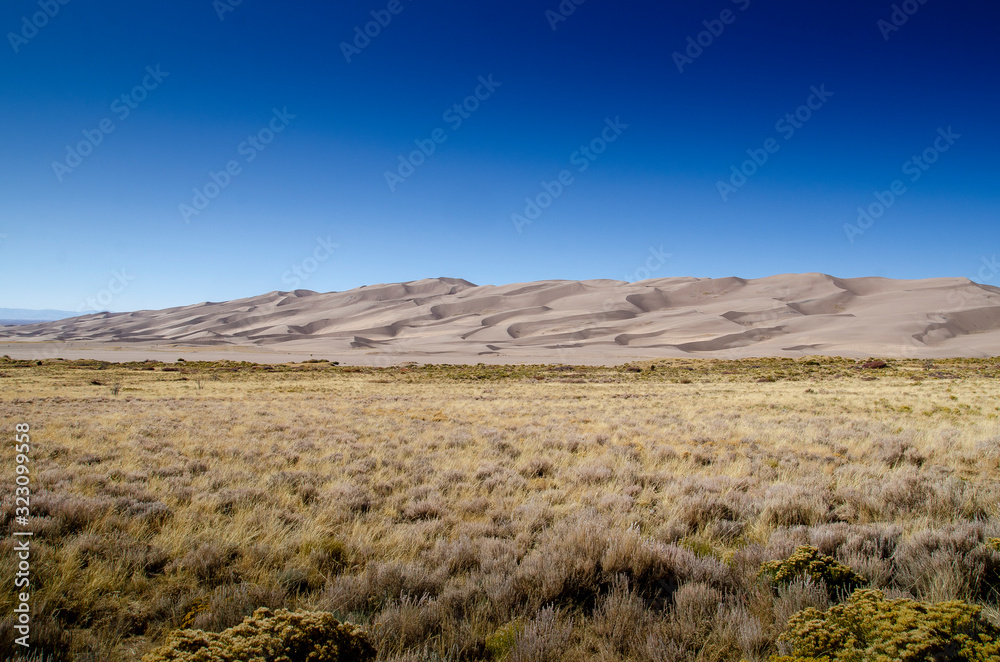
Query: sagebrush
[[457, 512]]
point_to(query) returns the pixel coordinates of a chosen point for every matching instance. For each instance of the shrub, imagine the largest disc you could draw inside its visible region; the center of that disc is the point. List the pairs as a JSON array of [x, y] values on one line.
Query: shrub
[[210, 562], [536, 467], [228, 605], [49, 641], [380, 583], [795, 505], [502, 641], [897, 452], [870, 627], [808, 563], [299, 580], [951, 563], [408, 623], [795, 596], [985, 561], [543, 638], [328, 555], [694, 615], [619, 619], [572, 567], [266, 636]]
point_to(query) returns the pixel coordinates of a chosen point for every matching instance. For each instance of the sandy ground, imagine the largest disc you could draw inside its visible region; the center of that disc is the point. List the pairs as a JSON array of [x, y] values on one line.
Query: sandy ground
[[597, 322]]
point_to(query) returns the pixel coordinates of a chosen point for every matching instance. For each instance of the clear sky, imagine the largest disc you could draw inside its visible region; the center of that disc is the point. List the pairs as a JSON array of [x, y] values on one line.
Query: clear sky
[[160, 154]]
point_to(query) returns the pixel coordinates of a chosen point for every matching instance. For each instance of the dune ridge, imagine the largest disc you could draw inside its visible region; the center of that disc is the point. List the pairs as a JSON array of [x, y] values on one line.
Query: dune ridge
[[451, 320]]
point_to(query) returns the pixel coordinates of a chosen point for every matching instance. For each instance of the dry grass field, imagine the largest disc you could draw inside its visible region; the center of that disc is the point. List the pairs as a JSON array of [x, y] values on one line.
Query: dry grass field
[[477, 513]]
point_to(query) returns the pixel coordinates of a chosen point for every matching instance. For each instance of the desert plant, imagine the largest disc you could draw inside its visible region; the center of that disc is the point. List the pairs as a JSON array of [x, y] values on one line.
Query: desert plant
[[795, 596], [808, 563], [870, 627], [49, 642], [619, 618], [542, 638], [266, 636], [694, 614], [951, 563], [502, 640], [498, 497]]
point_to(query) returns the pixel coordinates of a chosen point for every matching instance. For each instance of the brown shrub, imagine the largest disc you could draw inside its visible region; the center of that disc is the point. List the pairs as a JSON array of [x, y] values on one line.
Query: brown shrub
[[620, 619], [70, 514], [49, 641], [458, 556], [797, 595], [896, 452], [945, 564], [229, 605], [795, 505], [407, 623], [564, 567], [694, 614], [543, 638], [536, 467], [423, 509], [379, 583], [210, 562]]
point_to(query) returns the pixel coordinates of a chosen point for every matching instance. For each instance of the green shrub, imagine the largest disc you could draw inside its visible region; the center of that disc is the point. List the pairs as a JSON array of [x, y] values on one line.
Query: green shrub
[[808, 563], [501, 642], [266, 636], [870, 627]]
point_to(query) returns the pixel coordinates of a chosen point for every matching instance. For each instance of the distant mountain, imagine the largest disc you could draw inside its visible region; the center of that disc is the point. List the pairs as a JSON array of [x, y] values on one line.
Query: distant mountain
[[449, 320], [28, 315]]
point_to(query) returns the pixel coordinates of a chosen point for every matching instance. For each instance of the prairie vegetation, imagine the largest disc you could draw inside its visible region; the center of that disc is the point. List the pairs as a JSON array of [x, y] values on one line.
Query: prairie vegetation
[[653, 512]]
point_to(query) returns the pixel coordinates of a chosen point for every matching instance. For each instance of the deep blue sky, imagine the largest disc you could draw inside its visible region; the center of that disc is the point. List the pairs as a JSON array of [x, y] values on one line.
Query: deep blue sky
[[118, 211]]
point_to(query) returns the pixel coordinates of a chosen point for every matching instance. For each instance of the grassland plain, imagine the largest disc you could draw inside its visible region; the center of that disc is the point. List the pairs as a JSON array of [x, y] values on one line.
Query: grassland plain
[[496, 512]]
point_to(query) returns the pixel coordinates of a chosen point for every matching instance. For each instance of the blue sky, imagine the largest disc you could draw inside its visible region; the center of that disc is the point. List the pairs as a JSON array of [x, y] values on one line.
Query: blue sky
[[736, 137]]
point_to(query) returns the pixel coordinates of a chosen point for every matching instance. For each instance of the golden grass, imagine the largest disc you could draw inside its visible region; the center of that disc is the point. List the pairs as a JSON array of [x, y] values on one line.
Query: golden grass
[[456, 511]]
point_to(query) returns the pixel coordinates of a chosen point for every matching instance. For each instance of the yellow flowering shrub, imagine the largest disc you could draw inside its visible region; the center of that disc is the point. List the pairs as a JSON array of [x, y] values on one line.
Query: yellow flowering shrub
[[870, 628], [266, 636], [502, 641], [808, 563]]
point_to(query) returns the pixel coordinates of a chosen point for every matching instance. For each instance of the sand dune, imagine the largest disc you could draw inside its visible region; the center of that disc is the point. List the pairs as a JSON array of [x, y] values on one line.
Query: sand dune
[[597, 321]]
